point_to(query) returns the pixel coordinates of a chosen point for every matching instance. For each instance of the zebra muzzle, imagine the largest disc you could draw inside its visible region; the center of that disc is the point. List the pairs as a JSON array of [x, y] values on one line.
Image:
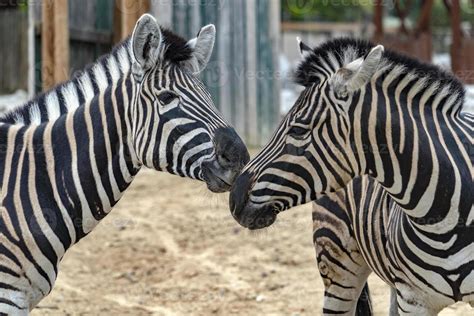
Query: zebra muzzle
[[246, 213], [230, 156]]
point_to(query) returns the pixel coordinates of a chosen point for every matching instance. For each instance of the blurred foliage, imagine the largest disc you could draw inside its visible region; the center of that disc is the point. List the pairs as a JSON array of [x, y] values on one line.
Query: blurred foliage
[[354, 10], [441, 17], [325, 10]]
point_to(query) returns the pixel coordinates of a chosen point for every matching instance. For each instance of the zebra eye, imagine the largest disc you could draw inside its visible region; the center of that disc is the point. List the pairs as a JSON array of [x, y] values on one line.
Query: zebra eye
[[166, 97], [298, 132]]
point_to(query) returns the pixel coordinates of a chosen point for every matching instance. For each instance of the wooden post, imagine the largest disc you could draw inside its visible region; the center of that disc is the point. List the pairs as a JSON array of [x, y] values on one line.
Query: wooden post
[[61, 41], [126, 14], [424, 20], [456, 31], [378, 20], [55, 43], [47, 46]]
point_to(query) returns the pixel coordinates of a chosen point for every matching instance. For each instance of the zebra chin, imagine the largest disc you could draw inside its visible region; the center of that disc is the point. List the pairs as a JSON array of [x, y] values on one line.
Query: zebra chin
[[250, 215], [256, 217], [215, 180], [219, 178]]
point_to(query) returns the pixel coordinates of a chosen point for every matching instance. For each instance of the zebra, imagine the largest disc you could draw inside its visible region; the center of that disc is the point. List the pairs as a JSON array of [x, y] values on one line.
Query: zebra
[[375, 113], [69, 155]]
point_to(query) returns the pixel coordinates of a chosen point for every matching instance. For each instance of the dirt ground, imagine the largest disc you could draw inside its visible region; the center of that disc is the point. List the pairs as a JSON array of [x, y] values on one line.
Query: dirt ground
[[171, 248]]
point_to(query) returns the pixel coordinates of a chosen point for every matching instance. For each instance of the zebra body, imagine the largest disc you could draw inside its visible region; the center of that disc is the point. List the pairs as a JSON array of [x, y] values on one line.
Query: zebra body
[[69, 156], [366, 112]]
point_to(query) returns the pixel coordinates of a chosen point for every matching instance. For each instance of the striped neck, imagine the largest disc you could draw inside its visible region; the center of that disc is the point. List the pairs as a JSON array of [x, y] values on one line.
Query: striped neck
[[78, 166], [414, 145]]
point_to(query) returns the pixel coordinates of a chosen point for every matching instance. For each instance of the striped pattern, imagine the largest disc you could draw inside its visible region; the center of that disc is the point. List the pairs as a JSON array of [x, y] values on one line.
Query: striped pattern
[[399, 122], [349, 238], [69, 155]]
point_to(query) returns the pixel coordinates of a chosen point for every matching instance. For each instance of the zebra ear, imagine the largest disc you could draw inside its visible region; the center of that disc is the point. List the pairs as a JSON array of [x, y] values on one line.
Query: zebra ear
[[202, 46], [358, 73], [146, 42], [304, 49]]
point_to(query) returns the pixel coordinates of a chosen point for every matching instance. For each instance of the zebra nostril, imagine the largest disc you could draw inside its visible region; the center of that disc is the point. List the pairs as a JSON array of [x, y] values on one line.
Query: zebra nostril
[[230, 149], [223, 159]]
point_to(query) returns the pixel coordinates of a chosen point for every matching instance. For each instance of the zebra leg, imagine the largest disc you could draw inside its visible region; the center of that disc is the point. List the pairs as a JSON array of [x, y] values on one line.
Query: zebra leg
[[364, 303], [393, 303], [341, 265], [13, 304], [340, 298], [10, 310]]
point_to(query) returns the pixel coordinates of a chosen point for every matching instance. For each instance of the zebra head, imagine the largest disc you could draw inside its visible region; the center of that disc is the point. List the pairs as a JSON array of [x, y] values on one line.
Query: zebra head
[[175, 125], [308, 154]]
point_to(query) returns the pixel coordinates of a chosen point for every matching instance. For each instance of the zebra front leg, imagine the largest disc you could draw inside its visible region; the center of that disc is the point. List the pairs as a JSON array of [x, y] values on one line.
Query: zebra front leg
[[345, 293], [341, 265], [393, 303], [13, 303], [11, 310], [364, 304]]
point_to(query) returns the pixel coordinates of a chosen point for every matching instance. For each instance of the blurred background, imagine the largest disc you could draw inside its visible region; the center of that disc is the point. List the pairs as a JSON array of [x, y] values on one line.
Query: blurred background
[[170, 247]]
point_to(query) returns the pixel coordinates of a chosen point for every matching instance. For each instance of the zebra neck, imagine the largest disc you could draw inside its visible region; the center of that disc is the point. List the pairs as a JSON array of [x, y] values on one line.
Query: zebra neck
[[65, 176], [418, 153], [104, 162]]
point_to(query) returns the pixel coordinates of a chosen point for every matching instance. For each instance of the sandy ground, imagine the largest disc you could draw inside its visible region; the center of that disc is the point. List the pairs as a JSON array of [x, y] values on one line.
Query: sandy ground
[[171, 248]]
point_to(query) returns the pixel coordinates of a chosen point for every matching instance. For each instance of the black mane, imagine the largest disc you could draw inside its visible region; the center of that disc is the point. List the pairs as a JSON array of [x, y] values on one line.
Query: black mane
[[306, 72], [177, 49]]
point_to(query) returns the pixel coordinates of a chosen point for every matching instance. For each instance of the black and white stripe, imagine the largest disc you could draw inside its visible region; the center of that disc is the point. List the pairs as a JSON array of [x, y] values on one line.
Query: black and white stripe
[[369, 112], [69, 155], [349, 239]]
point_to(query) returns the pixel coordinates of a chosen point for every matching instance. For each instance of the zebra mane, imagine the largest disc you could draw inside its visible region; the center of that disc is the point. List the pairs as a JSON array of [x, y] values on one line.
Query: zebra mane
[[336, 53], [176, 48], [82, 87]]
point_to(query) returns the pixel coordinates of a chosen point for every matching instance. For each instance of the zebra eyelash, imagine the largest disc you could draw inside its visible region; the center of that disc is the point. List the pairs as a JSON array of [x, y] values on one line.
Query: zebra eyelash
[[298, 132], [166, 97]]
